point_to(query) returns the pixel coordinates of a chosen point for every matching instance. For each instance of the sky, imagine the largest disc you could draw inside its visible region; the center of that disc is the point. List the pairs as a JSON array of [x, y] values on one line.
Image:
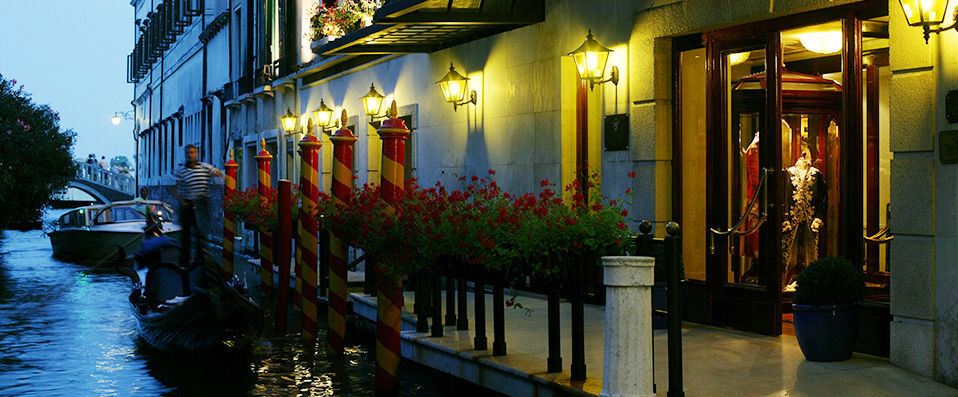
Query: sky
[[71, 54]]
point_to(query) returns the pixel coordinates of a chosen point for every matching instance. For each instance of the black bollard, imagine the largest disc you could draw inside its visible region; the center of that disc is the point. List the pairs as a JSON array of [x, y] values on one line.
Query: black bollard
[[323, 262], [450, 301], [554, 362], [673, 255], [578, 323], [419, 306], [437, 305], [498, 320], [463, 321], [643, 242], [479, 299], [369, 286]]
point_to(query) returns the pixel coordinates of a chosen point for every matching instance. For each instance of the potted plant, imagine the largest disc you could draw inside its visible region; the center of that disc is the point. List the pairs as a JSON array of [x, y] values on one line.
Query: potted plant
[[826, 309]]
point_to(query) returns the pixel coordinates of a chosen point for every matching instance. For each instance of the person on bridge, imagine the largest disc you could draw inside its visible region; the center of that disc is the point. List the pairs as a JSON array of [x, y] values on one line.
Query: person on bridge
[[103, 163], [192, 190]]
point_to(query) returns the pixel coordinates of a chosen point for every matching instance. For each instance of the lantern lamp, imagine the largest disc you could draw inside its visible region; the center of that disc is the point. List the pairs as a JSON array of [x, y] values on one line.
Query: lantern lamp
[[289, 121], [590, 59], [929, 14], [115, 120], [454, 87], [372, 102], [120, 116], [324, 115]]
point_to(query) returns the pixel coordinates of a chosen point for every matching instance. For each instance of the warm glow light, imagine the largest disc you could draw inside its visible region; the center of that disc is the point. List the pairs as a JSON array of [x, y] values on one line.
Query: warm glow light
[[289, 121], [822, 42], [925, 12], [590, 58], [115, 120], [324, 115], [454, 86], [738, 57], [372, 101]]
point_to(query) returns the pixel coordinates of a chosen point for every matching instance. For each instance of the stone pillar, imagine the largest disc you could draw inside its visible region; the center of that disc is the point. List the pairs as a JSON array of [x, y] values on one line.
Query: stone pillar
[[627, 366]]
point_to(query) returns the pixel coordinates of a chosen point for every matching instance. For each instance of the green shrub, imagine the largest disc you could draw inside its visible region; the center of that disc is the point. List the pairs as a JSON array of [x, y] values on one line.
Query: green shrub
[[830, 281]]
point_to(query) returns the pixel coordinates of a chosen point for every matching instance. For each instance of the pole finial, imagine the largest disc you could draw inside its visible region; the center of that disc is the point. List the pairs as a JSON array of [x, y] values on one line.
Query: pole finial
[[262, 143], [231, 154], [343, 119], [393, 110]]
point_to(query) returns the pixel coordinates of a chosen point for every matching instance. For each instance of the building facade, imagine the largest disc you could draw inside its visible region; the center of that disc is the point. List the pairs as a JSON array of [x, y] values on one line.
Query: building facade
[[719, 109]]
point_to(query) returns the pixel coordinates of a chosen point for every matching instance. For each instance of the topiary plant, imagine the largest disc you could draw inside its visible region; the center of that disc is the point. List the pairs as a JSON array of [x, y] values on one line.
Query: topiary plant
[[830, 281]]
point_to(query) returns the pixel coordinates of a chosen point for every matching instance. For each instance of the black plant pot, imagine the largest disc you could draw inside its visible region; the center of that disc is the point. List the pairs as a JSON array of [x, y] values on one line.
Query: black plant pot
[[826, 333]]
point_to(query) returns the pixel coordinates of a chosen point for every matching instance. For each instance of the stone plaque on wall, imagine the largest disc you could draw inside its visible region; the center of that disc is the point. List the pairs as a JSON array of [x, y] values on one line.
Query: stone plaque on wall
[[948, 147], [616, 129]]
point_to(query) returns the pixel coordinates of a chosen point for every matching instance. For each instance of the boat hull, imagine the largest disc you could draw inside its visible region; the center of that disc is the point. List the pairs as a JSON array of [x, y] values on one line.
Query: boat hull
[[98, 245]]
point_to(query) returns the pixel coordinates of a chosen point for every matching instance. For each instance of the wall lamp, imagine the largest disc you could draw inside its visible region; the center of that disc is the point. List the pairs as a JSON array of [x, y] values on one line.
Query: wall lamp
[[128, 115], [372, 103], [590, 59], [454, 88], [928, 14], [324, 117], [289, 121]]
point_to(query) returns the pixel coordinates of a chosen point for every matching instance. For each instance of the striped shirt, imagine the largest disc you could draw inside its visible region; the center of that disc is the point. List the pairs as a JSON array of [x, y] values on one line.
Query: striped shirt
[[194, 181]]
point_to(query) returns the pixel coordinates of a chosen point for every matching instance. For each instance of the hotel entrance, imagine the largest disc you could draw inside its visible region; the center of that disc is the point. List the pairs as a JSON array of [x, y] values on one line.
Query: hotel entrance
[[781, 157]]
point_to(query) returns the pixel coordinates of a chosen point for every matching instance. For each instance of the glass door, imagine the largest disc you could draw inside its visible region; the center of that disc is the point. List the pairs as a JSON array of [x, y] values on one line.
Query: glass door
[[745, 183]]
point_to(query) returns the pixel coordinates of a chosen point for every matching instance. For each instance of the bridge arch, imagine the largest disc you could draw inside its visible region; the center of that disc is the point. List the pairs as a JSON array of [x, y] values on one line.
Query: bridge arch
[[90, 189]]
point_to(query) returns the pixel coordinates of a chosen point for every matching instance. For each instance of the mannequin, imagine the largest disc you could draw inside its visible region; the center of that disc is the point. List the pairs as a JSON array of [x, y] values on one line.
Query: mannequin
[[808, 206], [750, 242]]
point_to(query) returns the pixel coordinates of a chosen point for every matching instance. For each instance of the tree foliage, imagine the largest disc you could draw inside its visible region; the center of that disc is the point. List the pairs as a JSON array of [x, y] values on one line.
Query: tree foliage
[[36, 157]]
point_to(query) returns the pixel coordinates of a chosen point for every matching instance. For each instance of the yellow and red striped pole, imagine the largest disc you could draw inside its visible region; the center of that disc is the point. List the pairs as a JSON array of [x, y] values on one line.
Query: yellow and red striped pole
[[229, 225], [309, 186], [393, 133], [265, 237], [343, 141], [303, 165]]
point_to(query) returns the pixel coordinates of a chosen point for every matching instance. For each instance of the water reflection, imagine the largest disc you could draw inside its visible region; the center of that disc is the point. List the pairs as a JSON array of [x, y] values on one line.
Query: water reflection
[[67, 330]]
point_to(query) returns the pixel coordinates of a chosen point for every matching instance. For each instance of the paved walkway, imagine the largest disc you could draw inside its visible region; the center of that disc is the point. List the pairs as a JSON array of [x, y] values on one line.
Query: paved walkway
[[717, 362]]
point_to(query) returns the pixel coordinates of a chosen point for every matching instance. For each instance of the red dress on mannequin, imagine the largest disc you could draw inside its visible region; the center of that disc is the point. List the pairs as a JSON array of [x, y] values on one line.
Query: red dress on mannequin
[[750, 242]]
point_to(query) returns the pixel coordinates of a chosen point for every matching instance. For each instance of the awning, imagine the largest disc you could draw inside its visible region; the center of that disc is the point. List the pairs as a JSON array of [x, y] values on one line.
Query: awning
[[423, 26]]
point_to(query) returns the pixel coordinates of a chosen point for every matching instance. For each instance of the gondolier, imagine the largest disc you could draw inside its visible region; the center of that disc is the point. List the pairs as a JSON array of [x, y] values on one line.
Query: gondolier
[[192, 190]]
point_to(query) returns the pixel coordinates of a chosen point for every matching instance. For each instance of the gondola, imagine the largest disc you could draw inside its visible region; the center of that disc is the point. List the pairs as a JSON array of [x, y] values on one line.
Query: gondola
[[187, 309]]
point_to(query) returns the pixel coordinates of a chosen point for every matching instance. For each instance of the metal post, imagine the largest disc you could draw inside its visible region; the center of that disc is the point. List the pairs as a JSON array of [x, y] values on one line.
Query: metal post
[[284, 245], [463, 321], [436, 305], [554, 362], [419, 306], [309, 186], [393, 133], [643, 241], [479, 300], [673, 247], [498, 320], [265, 237], [450, 301], [578, 323], [229, 224], [343, 141]]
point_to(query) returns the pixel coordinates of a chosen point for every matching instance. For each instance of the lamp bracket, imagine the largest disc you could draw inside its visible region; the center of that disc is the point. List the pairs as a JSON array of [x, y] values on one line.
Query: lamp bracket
[[929, 30], [127, 115], [613, 78], [472, 100]]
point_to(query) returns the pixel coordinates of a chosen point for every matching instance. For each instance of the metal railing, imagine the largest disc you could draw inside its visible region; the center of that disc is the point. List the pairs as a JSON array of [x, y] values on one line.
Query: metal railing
[[113, 180]]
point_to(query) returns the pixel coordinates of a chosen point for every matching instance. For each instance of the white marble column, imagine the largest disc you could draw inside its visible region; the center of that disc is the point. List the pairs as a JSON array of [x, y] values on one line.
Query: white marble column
[[627, 367]]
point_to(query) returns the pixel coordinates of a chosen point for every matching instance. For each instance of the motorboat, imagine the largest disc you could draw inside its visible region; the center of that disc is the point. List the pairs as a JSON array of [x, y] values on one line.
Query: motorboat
[[96, 234]]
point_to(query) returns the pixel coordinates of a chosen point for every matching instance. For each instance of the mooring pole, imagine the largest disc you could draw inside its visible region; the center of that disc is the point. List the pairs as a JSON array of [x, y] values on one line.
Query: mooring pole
[[393, 133], [309, 188], [343, 141], [285, 212], [265, 237], [673, 255], [229, 225]]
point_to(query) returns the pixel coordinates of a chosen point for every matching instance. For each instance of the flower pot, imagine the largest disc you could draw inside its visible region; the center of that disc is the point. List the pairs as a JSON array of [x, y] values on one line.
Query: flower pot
[[826, 333]]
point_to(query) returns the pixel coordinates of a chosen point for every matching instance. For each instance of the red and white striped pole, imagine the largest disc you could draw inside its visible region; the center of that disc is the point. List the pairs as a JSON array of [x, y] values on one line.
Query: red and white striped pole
[[265, 237], [343, 141], [309, 186], [393, 133], [229, 224]]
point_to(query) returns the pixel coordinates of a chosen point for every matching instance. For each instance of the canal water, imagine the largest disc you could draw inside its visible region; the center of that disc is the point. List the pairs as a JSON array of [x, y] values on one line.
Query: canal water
[[67, 329]]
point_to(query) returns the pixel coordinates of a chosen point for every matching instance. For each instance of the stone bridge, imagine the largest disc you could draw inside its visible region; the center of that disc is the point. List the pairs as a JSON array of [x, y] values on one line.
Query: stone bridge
[[104, 185]]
